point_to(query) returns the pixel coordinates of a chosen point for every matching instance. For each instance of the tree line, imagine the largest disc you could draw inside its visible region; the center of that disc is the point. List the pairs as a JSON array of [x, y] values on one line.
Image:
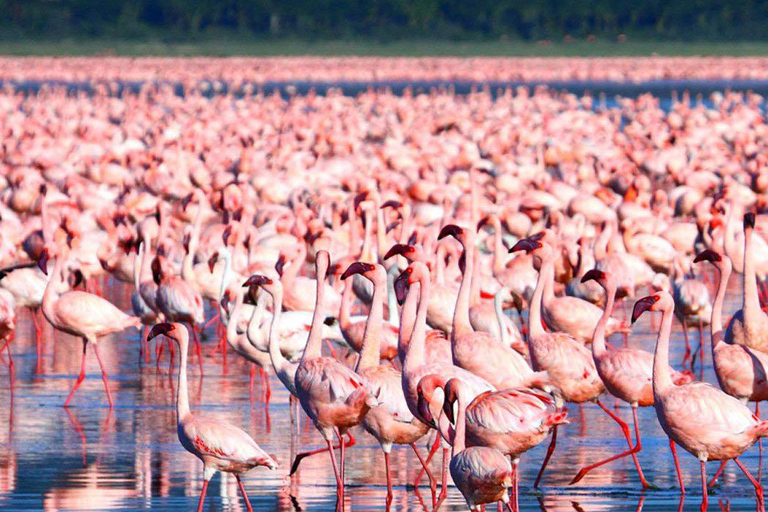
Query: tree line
[[531, 20]]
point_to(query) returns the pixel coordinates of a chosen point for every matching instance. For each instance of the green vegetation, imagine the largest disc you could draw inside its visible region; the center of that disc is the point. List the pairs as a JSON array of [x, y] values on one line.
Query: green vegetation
[[272, 47]]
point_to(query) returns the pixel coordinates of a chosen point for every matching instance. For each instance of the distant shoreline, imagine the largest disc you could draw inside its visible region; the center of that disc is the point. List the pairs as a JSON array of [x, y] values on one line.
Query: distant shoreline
[[402, 48]]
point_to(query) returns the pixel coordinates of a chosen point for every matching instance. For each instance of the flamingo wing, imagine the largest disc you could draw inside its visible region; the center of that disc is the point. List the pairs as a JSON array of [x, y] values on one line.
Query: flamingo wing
[[216, 438], [88, 313]]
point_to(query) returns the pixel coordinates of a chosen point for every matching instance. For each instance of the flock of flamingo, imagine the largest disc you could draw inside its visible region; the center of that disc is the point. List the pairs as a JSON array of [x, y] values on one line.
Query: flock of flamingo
[[439, 270]]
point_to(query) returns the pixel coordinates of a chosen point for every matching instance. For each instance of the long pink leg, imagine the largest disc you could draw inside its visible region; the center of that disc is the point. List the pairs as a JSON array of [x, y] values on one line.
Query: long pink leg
[[202, 496], [389, 479], [245, 495], [717, 473], [632, 450], [550, 450], [339, 484], [758, 487], [444, 477], [303, 455], [425, 468], [687, 355], [103, 374], [11, 372], [705, 496], [252, 375], [198, 349], [673, 449], [79, 377], [431, 454]]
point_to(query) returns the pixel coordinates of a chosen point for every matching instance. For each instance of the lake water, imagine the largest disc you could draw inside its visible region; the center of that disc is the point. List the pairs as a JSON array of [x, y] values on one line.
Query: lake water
[[87, 458]]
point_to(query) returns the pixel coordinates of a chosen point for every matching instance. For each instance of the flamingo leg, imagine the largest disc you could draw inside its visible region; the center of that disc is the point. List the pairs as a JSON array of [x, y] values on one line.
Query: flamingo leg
[[303, 455], [687, 355], [104, 376], [339, 485], [202, 496], [673, 449], [759, 444], [550, 450], [758, 487], [705, 496], [38, 335], [389, 479], [425, 468], [632, 450], [252, 376], [431, 454], [245, 495], [717, 473], [198, 348], [11, 371], [79, 377], [444, 477], [343, 462]]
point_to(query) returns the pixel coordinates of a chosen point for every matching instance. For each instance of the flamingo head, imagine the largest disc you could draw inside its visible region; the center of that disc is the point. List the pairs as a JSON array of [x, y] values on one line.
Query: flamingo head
[[164, 328], [226, 234], [749, 221], [225, 300], [42, 263], [531, 244], [658, 301], [451, 396], [212, 261], [358, 267], [401, 284], [594, 275], [425, 391], [404, 250], [396, 205], [453, 230], [185, 242], [708, 255]]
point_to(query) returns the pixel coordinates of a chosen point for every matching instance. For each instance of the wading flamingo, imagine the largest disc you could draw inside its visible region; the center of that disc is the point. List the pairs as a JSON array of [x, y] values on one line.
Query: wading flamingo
[[706, 422], [220, 446]]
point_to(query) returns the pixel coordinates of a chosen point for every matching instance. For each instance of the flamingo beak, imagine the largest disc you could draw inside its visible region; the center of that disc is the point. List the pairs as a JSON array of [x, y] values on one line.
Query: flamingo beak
[[707, 255], [355, 268], [398, 249], [749, 220], [450, 230], [593, 275], [42, 263], [424, 411], [158, 329], [526, 244], [643, 305], [212, 261], [225, 236], [401, 286], [257, 280], [392, 204]]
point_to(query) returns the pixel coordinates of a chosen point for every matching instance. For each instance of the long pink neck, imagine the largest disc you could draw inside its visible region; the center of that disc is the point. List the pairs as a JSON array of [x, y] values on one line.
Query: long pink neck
[[182, 400], [293, 270], [474, 294], [546, 270], [346, 305], [369, 354], [416, 353], [662, 380], [459, 438], [716, 323], [598, 339], [751, 299], [407, 321], [314, 347], [461, 323]]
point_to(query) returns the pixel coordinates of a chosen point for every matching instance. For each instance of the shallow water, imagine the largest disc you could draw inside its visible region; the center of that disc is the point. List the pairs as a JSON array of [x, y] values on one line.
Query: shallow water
[[87, 458]]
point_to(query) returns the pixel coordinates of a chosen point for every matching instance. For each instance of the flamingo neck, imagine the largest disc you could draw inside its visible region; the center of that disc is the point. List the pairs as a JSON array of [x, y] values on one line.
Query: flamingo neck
[[234, 318], [394, 317], [381, 234], [716, 322], [314, 341], [138, 263], [292, 272], [187, 266], [751, 299], [224, 253], [662, 380], [345, 316], [503, 335], [354, 230], [367, 252], [474, 293], [598, 338], [459, 437], [371, 350], [407, 321], [416, 356], [182, 399], [278, 361], [461, 323], [535, 328]]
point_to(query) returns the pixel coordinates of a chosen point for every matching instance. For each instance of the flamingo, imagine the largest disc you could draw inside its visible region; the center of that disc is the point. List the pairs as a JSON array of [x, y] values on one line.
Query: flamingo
[[27, 286], [391, 422], [707, 422], [81, 314], [479, 352], [749, 325], [334, 397], [147, 315], [627, 375], [482, 474], [220, 445], [568, 362]]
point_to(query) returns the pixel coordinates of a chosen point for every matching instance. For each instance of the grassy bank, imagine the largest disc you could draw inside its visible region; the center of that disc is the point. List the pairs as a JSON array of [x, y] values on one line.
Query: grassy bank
[[234, 47]]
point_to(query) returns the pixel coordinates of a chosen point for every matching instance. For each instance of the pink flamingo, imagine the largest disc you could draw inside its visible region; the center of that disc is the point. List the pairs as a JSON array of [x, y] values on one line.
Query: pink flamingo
[[333, 396], [81, 314], [706, 422], [740, 370], [480, 352], [482, 474], [567, 361], [749, 325], [392, 422], [626, 373], [221, 446]]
